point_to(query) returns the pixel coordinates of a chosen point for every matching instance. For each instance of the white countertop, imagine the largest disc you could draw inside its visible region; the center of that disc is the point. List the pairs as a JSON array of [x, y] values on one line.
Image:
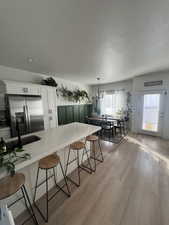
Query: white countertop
[[53, 140]]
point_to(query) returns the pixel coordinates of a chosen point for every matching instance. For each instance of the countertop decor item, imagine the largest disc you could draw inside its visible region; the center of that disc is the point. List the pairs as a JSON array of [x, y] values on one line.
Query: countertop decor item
[[9, 160]]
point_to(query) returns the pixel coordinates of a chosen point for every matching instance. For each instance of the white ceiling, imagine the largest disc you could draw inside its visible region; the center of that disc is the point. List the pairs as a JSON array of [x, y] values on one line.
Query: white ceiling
[[82, 39]]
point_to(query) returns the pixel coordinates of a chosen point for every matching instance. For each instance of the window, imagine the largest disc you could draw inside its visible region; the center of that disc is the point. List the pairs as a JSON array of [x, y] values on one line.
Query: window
[[113, 102]]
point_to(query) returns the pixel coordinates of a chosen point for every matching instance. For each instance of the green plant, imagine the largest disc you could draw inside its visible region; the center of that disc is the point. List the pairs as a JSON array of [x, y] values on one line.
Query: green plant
[[129, 104], [9, 160], [49, 82], [80, 95], [66, 93], [76, 95]]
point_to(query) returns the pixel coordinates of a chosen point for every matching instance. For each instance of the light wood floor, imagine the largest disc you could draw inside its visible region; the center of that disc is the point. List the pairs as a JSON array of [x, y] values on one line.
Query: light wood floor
[[131, 187]]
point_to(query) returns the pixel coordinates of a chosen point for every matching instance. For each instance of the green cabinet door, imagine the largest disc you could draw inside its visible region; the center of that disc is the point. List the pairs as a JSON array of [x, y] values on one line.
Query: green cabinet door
[[73, 113], [86, 109], [62, 115], [90, 109], [69, 114], [81, 113], [76, 113]]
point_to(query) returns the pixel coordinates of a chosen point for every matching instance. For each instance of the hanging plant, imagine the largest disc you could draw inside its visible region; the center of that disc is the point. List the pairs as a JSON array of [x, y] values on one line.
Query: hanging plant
[[84, 95], [49, 82], [76, 95], [9, 160], [65, 93], [80, 95]]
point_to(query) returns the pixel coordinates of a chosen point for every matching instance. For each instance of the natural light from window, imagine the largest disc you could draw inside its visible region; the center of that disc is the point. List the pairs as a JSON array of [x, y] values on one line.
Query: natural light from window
[[151, 108], [112, 103]]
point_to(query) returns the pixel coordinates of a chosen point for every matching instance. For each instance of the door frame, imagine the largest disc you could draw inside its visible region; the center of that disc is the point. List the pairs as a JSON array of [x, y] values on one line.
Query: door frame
[[161, 112]]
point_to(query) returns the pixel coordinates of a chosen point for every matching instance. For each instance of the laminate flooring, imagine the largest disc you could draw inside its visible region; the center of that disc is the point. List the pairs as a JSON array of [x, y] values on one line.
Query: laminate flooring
[[131, 187]]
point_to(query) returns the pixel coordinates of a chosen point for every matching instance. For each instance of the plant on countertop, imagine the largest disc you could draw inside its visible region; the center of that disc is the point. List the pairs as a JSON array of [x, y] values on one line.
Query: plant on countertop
[[49, 82], [9, 160]]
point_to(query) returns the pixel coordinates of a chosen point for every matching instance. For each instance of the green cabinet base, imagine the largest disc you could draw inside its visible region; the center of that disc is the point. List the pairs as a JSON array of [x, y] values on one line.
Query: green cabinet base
[[73, 113]]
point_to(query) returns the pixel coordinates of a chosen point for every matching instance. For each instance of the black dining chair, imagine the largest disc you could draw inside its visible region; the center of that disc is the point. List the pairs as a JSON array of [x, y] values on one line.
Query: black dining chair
[[107, 127], [119, 127]]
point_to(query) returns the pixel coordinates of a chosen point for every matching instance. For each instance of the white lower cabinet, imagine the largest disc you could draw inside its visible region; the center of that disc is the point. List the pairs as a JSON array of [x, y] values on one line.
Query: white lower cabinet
[[5, 132]]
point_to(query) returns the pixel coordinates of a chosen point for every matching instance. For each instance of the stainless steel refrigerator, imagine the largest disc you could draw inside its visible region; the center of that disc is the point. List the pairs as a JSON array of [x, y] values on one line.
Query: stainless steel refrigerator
[[28, 110]]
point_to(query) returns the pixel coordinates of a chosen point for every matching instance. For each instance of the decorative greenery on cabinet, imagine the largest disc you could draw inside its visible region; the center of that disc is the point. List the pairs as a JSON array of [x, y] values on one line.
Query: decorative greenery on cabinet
[[73, 113], [75, 95]]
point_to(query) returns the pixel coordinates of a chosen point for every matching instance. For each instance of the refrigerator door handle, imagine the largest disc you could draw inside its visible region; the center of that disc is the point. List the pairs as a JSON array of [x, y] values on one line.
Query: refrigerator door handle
[[28, 119], [25, 116]]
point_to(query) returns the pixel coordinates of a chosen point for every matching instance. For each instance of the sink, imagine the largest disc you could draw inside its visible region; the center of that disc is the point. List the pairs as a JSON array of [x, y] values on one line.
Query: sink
[[25, 140]]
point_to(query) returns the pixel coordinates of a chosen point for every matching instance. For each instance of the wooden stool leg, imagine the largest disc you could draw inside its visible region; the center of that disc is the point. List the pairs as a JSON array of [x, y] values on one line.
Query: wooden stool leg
[[94, 157], [29, 208], [36, 184], [47, 197], [67, 164], [78, 167], [94, 152], [54, 175], [101, 151], [34, 199], [84, 167], [65, 179], [88, 160], [45, 218]]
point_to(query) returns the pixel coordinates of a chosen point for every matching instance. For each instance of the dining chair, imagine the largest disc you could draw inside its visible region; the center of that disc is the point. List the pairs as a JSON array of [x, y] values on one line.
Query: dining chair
[[107, 127], [120, 126]]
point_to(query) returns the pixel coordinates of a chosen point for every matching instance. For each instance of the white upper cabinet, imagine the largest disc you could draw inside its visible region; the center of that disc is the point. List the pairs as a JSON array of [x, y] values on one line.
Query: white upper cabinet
[[12, 87]]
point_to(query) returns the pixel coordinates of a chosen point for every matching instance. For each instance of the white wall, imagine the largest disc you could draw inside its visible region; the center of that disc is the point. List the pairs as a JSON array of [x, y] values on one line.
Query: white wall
[[7, 73], [138, 82]]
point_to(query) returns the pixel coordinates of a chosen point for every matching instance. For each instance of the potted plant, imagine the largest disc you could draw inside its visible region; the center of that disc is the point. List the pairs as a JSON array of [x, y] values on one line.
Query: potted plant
[[9, 159]]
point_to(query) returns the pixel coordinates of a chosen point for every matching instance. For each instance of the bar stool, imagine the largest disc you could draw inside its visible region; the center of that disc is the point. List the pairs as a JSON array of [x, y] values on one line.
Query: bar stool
[[93, 139], [47, 163], [11, 185], [76, 147]]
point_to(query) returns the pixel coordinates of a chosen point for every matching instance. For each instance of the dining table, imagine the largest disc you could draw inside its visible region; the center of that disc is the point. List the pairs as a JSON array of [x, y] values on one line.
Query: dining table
[[107, 119], [115, 123]]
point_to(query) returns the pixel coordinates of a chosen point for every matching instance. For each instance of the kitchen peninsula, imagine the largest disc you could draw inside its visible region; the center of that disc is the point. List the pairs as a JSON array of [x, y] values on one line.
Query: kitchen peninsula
[[54, 140], [51, 140]]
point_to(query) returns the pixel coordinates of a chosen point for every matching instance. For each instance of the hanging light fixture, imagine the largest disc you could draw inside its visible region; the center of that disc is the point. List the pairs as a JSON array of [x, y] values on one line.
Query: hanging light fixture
[[98, 96]]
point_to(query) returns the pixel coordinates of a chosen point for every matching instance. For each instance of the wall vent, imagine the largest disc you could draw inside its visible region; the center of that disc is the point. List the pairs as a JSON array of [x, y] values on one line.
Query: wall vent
[[153, 83]]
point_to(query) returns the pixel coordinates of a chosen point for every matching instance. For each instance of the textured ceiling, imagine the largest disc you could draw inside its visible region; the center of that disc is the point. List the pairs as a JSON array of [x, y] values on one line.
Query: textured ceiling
[[82, 39]]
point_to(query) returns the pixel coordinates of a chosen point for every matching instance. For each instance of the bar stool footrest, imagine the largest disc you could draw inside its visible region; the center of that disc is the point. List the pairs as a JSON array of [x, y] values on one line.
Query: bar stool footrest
[[72, 181], [99, 160]]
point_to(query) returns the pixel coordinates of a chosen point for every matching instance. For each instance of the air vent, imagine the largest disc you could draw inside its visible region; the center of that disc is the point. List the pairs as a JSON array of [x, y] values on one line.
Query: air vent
[[153, 83]]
